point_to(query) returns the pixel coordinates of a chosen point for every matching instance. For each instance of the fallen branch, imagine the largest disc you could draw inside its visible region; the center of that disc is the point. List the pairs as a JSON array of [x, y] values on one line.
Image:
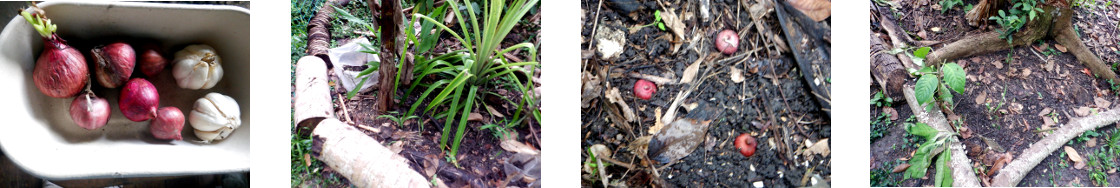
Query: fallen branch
[[887, 69], [360, 158], [1017, 169], [312, 94], [959, 163]]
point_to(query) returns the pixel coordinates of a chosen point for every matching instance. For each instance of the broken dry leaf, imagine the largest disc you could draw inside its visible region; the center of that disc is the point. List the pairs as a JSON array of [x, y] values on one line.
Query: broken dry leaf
[[821, 147], [674, 23], [616, 97], [737, 75], [1092, 142], [982, 98], [1082, 111], [1060, 48], [677, 139], [690, 72], [657, 125], [1101, 102], [890, 111]]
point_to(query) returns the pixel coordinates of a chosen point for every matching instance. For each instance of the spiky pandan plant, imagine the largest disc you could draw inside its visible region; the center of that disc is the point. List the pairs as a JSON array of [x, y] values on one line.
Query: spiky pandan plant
[[480, 62]]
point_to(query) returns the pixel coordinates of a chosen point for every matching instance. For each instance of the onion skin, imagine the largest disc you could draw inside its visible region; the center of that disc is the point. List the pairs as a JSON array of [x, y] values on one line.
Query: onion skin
[[61, 70], [139, 100], [113, 63], [644, 89], [168, 124], [746, 144], [151, 60], [89, 112], [727, 41]]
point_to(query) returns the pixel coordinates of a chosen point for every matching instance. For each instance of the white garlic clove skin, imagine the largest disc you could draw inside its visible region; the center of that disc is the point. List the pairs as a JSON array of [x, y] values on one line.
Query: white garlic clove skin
[[215, 116], [197, 67]]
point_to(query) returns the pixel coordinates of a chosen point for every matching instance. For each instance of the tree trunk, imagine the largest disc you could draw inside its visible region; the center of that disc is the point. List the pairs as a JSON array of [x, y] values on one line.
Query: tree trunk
[[989, 42], [886, 69], [1063, 33], [392, 42]]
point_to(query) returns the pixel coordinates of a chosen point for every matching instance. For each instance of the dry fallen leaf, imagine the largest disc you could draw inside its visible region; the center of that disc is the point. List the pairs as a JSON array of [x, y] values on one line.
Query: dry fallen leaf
[[901, 167], [816, 9], [737, 75], [474, 117], [982, 98], [493, 111], [1073, 156], [658, 124], [1060, 48], [690, 72], [1082, 111], [821, 147], [615, 97], [512, 145], [1101, 102], [670, 18]]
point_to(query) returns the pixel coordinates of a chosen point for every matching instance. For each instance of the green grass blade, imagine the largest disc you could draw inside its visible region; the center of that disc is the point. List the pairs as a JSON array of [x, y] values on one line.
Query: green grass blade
[[450, 116], [459, 133]]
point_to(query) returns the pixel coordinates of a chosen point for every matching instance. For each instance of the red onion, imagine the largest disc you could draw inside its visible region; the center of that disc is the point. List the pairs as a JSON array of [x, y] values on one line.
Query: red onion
[[113, 63], [746, 144], [61, 70], [644, 89], [167, 124], [727, 41], [139, 100], [89, 111], [151, 60]]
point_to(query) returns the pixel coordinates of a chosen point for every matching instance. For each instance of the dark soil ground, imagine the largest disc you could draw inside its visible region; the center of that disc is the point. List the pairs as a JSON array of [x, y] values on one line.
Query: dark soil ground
[[1012, 97], [479, 155], [774, 105]]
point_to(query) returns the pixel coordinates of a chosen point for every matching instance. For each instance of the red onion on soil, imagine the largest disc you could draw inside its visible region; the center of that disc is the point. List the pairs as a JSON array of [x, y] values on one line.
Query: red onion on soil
[[746, 144], [644, 89], [727, 41]]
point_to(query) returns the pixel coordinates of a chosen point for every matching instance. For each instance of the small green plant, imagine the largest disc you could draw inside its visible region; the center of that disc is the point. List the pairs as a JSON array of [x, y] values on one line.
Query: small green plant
[[1017, 16], [882, 176], [880, 100], [935, 143], [1096, 172], [950, 76], [949, 4], [461, 74], [880, 126], [399, 119], [656, 21], [593, 162], [500, 130], [1087, 135]]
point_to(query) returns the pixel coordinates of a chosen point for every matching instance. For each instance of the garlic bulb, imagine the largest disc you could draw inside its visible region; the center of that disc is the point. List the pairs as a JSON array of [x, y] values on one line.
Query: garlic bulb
[[197, 67], [214, 117]]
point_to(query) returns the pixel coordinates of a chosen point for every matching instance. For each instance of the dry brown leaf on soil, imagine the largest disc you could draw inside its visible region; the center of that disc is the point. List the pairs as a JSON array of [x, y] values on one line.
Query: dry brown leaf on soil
[[1082, 111], [1101, 102], [1044, 111], [737, 75], [901, 167], [657, 125], [592, 88], [616, 97], [982, 98], [512, 145], [689, 73], [1060, 48], [821, 147], [1092, 142], [474, 116], [493, 111], [669, 16], [816, 9], [1073, 156], [890, 111], [655, 79]]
